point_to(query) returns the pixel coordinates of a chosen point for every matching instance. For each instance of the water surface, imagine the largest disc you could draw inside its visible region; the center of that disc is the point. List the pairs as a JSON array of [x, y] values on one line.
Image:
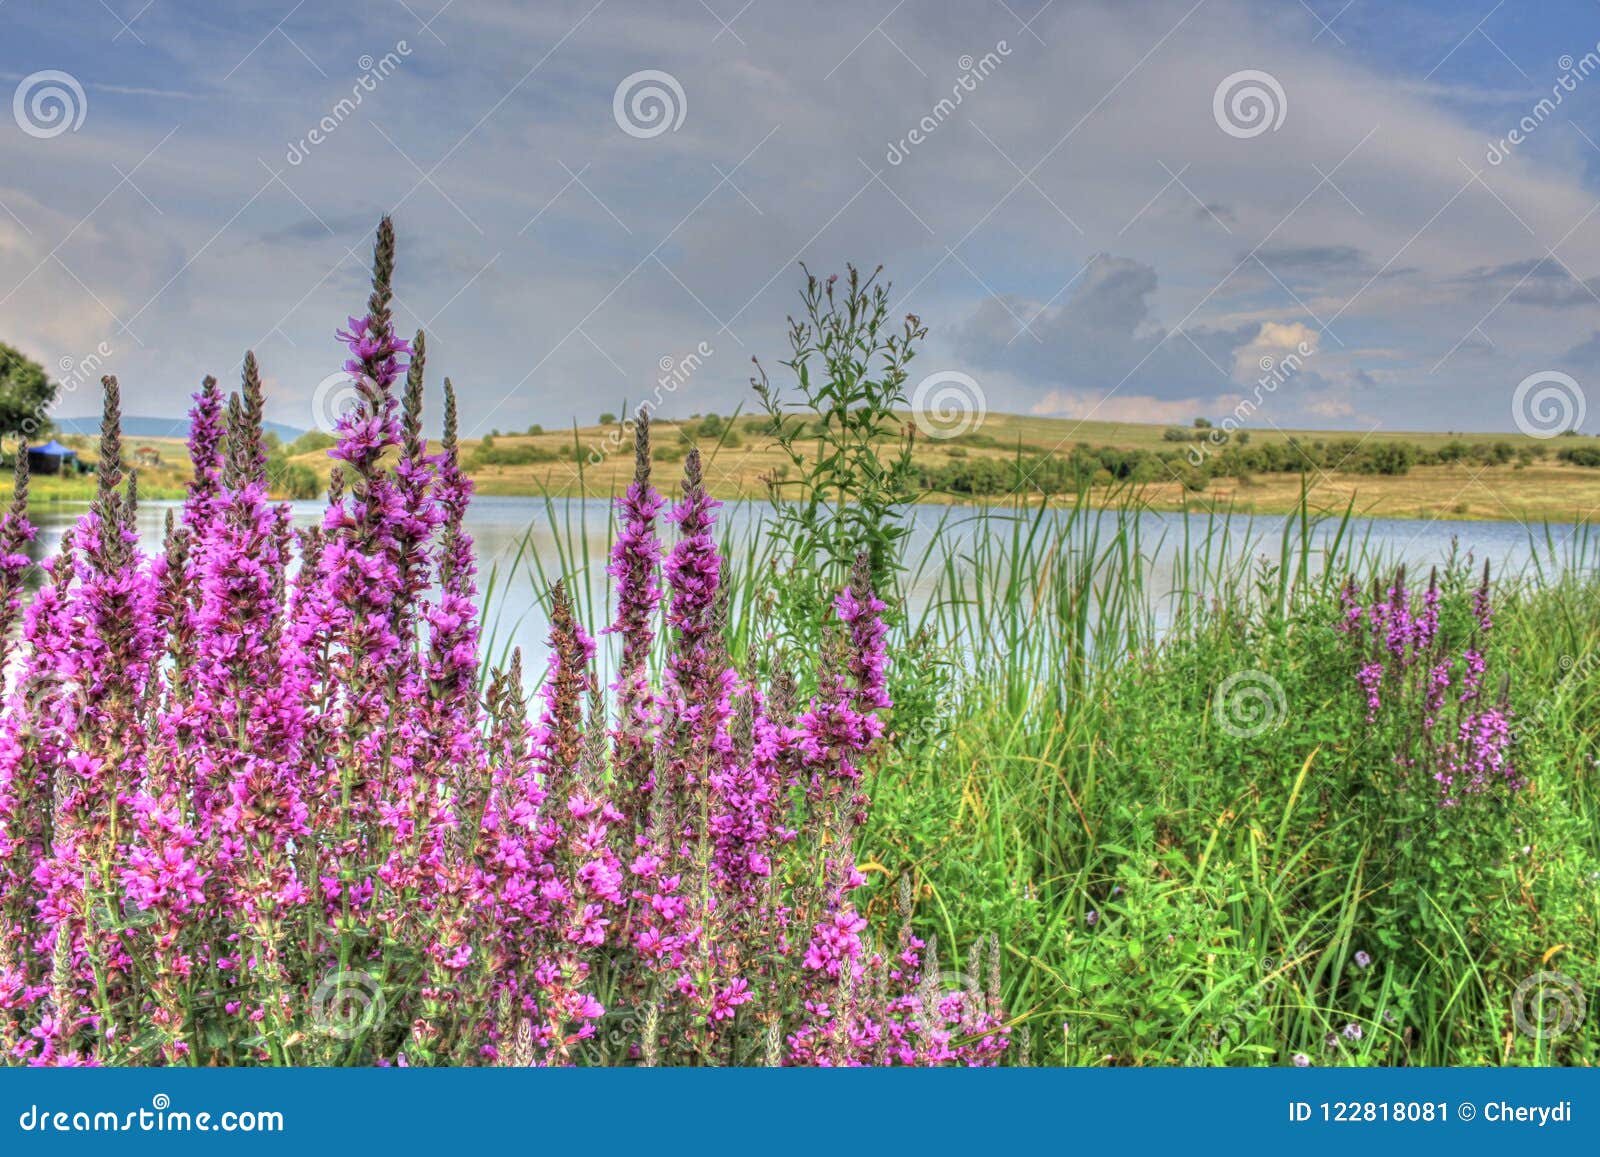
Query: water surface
[[515, 535]]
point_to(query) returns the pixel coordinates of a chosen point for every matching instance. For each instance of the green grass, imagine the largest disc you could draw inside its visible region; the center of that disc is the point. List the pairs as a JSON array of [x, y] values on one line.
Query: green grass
[[1168, 893], [1060, 757]]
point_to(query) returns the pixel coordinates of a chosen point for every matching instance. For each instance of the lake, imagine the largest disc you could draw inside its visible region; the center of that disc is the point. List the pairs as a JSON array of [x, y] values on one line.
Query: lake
[[512, 532]]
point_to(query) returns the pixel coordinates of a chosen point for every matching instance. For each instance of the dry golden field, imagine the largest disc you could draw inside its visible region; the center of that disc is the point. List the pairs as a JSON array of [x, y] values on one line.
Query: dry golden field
[[598, 460]]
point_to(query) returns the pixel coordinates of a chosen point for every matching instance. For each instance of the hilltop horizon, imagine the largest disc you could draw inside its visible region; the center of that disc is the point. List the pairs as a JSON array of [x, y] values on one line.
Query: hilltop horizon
[[159, 426]]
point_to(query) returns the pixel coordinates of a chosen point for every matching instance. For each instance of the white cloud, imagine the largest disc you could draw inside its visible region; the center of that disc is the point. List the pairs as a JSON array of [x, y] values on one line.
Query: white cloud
[[1270, 346]]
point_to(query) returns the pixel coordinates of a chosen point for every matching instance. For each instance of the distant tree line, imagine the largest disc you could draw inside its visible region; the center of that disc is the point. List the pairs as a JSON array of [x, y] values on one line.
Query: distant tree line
[[1033, 471]]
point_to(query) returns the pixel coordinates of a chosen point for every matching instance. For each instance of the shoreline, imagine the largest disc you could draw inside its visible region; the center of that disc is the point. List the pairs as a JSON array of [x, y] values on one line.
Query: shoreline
[[1099, 499]]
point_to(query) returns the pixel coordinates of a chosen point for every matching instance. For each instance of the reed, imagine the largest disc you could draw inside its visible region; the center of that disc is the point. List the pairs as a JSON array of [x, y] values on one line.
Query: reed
[[1166, 891]]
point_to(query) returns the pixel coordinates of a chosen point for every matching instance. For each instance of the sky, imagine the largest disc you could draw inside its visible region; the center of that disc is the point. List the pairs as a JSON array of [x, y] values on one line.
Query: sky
[[1133, 210]]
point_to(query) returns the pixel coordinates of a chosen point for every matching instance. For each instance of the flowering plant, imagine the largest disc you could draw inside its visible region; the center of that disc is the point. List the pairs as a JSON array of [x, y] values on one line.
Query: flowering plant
[[254, 809], [1428, 688], [1442, 802]]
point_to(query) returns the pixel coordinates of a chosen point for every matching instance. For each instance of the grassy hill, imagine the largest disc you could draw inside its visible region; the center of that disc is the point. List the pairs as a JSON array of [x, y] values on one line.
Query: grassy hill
[[598, 460], [1531, 484]]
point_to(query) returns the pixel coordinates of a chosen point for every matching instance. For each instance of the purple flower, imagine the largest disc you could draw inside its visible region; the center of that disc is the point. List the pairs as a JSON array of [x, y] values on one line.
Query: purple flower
[[1428, 689], [1370, 677], [252, 780], [636, 566], [1482, 610]]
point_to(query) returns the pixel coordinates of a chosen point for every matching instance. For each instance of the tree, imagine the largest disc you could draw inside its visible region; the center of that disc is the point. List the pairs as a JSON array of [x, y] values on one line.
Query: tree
[[26, 393], [289, 479], [310, 442], [608, 419]]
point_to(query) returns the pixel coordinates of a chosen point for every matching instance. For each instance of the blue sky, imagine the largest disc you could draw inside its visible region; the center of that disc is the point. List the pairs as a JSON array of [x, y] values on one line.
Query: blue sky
[[1082, 233]]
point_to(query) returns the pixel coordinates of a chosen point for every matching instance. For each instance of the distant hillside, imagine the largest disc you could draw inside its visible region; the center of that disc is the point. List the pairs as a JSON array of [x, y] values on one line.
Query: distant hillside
[[1006, 457], [134, 426]]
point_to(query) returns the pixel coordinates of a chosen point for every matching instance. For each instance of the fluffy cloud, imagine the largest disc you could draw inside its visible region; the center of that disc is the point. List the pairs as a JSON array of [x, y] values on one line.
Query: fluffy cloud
[[1268, 349], [1102, 340]]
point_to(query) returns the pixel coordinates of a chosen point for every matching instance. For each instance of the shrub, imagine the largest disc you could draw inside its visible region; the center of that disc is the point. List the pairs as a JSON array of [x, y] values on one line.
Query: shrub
[[490, 454], [1392, 458], [310, 442], [294, 480]]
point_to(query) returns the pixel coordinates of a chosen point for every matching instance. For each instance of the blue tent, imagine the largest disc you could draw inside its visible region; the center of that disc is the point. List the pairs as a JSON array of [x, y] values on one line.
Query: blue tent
[[51, 458]]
